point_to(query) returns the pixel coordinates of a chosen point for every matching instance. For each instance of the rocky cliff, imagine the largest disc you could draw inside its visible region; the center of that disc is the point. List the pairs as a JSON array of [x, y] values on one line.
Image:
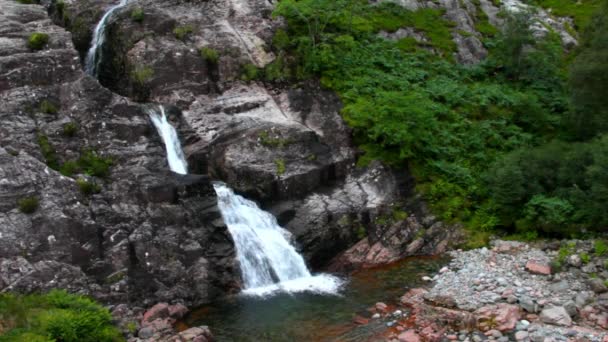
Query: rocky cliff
[[138, 233]]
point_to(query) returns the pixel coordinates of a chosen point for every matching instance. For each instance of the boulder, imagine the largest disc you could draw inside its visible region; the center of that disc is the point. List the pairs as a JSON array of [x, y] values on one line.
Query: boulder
[[502, 317], [556, 315], [597, 285], [409, 336], [538, 267]]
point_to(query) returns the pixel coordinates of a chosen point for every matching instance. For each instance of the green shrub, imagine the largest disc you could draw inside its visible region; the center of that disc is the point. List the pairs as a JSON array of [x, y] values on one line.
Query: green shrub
[[88, 187], [69, 168], [48, 152], [249, 72], [56, 316], [93, 164], [69, 129], [600, 248], [48, 107], [585, 258], [210, 55], [28, 2], [28, 205], [266, 139], [137, 15], [37, 40], [280, 164], [142, 74], [182, 32]]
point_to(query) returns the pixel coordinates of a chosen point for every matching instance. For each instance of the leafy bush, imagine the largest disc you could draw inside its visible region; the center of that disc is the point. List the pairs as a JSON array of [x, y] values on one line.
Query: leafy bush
[[142, 74], [88, 187], [182, 32], [210, 55], [48, 152], [28, 205], [69, 168], [37, 40], [249, 72], [48, 107], [280, 164], [600, 248], [93, 164], [556, 187], [137, 15], [69, 129], [56, 316]]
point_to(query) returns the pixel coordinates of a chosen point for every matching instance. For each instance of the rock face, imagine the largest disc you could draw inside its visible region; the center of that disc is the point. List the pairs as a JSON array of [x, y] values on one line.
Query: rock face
[[467, 15], [136, 232], [146, 234]]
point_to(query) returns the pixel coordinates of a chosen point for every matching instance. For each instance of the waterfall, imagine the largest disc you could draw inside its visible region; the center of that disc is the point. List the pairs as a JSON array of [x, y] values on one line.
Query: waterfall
[[268, 262], [93, 57], [175, 156]]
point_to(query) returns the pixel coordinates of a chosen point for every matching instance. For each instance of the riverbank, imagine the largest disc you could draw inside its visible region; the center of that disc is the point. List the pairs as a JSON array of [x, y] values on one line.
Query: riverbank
[[513, 291]]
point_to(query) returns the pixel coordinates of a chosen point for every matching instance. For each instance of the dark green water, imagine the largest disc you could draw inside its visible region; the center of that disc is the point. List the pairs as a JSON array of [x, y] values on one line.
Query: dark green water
[[310, 317]]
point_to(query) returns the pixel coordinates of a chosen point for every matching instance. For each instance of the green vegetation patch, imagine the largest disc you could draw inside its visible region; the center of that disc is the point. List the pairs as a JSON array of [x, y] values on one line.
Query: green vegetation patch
[[88, 187], [210, 55], [48, 107], [141, 74], [182, 32], [137, 15], [580, 10], [468, 134], [55, 316], [280, 165], [37, 41], [28, 205]]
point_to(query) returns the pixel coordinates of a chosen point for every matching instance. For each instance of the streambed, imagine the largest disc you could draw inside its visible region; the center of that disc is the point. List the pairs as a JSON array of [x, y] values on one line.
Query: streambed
[[314, 317]]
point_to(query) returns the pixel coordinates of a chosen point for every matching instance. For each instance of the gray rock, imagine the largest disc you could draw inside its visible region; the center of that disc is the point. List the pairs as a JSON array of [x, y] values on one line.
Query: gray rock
[[521, 335], [560, 286], [597, 285], [528, 304], [555, 315], [574, 260], [570, 307]]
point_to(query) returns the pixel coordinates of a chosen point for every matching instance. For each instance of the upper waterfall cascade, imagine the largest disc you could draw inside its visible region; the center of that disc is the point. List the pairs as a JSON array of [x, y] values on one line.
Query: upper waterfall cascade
[[175, 155], [93, 57], [268, 261]]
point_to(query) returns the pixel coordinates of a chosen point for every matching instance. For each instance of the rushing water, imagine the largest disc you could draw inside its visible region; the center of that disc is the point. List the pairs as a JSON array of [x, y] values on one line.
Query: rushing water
[[93, 57], [315, 317], [269, 262], [175, 156]]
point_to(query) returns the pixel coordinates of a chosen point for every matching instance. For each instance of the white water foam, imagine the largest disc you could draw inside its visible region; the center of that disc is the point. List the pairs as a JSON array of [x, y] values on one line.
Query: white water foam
[[268, 262], [175, 155], [93, 57]]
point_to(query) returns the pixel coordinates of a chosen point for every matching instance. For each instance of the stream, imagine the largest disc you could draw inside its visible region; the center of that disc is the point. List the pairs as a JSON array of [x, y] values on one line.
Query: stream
[[314, 317]]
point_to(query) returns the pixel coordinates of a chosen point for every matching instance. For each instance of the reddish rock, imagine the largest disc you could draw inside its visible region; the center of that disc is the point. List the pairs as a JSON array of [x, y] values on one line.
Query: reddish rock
[[409, 336], [502, 317], [538, 267], [177, 311], [196, 334], [360, 320], [432, 333], [602, 321], [381, 307], [160, 310], [413, 296]]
